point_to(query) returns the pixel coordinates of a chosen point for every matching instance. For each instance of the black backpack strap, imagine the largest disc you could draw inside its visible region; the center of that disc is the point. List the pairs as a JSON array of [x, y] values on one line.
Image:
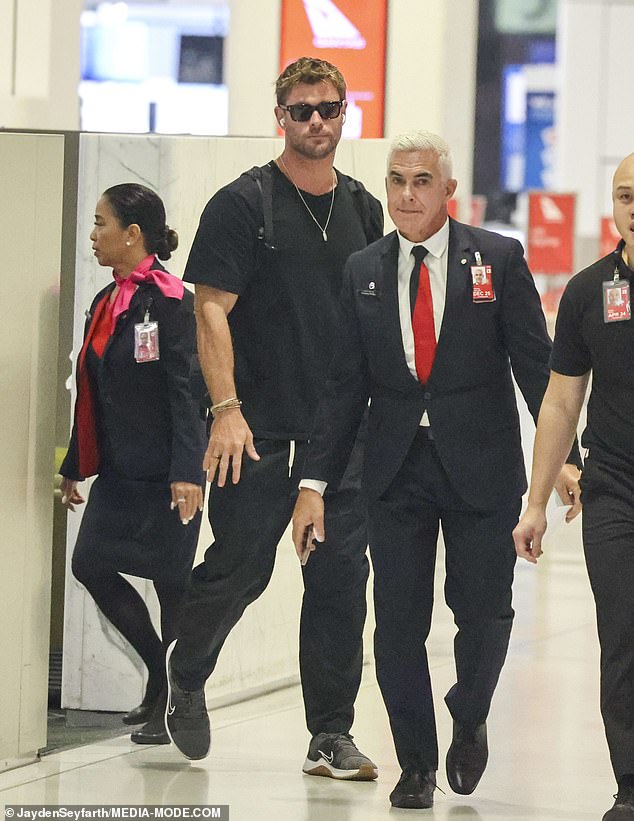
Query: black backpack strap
[[264, 180], [369, 210]]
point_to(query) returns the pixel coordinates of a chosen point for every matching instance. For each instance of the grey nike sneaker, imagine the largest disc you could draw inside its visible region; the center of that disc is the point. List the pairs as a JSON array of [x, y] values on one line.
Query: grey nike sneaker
[[335, 755], [186, 717]]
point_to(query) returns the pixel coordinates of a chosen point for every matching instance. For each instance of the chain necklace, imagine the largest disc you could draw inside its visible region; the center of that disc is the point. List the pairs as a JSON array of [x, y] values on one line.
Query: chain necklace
[[332, 199]]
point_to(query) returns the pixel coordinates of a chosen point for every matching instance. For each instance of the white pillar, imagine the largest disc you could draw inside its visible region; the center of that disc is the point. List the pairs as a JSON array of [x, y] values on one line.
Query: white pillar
[[39, 64], [252, 62], [595, 116], [31, 175]]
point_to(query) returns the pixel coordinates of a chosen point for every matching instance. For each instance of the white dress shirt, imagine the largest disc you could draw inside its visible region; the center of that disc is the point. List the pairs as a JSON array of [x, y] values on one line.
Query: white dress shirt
[[436, 262]]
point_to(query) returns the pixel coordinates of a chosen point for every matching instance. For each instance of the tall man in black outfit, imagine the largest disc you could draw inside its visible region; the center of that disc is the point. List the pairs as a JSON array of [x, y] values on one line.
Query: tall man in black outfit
[[434, 354], [595, 334], [267, 311]]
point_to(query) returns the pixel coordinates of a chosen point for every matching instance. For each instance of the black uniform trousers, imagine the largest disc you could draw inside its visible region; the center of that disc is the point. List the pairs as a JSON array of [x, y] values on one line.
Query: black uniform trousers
[[608, 540], [248, 521], [403, 530]]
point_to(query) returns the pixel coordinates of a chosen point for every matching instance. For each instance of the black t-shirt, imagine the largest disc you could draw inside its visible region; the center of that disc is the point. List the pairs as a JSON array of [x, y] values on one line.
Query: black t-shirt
[[283, 324], [584, 342]]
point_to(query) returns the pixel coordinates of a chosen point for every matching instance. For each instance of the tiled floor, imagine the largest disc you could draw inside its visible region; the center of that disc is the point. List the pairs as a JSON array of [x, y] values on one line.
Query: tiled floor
[[548, 754], [74, 728]]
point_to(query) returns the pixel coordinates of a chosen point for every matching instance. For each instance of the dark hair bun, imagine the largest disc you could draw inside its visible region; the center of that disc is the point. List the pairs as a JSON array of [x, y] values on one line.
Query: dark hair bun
[[167, 243]]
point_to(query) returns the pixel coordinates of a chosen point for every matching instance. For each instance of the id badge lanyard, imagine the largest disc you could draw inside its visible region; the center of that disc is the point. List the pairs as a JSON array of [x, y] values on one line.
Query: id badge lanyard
[[482, 281], [146, 340], [616, 298]]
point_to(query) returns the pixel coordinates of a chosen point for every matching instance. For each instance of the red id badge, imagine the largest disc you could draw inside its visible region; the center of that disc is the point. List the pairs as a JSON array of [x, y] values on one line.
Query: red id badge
[[616, 300], [482, 282], [146, 342]]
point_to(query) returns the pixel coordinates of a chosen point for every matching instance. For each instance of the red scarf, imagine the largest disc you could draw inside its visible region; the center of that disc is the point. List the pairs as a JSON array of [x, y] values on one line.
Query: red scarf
[[169, 285]]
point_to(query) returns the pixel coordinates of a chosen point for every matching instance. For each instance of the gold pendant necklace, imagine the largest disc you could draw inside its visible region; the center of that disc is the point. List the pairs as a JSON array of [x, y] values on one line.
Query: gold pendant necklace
[[332, 199]]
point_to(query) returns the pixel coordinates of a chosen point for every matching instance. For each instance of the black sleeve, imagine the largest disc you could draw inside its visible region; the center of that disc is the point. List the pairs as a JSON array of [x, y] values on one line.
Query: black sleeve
[[70, 465], [527, 339], [177, 329], [524, 327], [224, 253], [570, 355]]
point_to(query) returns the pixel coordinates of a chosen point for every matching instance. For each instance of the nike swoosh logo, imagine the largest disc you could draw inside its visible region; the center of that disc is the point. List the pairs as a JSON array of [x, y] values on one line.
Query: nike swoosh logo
[[170, 709], [328, 758]]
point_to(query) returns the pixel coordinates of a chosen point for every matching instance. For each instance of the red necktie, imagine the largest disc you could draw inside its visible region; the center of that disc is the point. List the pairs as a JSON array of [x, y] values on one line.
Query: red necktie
[[422, 316]]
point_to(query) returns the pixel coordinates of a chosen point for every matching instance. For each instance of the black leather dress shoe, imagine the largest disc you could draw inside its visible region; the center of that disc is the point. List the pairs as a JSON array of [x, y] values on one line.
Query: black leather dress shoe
[[153, 732], [467, 757], [415, 789], [144, 710], [623, 809]]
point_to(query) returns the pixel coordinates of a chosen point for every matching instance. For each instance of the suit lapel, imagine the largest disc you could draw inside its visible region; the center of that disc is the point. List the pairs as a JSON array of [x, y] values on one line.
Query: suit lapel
[[459, 261], [389, 273], [389, 276]]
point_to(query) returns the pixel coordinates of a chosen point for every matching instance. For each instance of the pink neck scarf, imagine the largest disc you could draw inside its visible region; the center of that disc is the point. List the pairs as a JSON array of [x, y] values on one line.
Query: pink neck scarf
[[169, 285]]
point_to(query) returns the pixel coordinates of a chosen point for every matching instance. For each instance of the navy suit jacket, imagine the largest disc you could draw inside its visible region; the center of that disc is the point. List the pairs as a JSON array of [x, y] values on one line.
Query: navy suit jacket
[[469, 397], [152, 422]]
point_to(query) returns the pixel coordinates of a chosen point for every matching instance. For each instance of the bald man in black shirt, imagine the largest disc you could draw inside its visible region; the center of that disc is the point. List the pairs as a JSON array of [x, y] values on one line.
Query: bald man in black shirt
[[595, 335]]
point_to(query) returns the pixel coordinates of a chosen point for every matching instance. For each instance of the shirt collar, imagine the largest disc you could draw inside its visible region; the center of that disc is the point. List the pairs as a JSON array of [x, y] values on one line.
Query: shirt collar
[[436, 244]]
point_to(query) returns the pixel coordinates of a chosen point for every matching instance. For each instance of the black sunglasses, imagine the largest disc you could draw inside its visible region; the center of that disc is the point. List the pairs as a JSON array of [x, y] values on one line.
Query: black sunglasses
[[302, 112]]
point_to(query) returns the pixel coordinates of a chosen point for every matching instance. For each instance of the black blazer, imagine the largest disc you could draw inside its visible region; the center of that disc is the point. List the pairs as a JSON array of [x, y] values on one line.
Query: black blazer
[[153, 425], [470, 397]]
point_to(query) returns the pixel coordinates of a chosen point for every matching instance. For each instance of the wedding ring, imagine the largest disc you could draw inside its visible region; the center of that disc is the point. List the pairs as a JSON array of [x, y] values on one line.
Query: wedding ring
[[181, 500]]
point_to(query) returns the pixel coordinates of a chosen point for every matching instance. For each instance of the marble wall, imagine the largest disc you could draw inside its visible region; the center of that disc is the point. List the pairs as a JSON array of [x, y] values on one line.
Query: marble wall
[[100, 672]]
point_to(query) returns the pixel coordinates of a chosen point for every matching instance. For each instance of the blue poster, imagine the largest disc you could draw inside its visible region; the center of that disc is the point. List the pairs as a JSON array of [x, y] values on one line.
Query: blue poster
[[539, 140], [513, 128]]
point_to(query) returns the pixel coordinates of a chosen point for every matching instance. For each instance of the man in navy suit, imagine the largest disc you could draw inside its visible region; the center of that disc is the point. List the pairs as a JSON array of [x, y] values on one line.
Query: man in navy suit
[[437, 317]]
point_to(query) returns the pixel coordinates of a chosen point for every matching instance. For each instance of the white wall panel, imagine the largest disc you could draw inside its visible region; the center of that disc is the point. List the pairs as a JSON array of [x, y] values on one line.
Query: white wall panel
[[595, 118], [617, 125], [31, 170]]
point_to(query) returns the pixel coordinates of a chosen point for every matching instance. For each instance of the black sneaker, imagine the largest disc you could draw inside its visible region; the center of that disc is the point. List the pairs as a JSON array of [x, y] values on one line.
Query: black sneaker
[[335, 755], [623, 809], [186, 718]]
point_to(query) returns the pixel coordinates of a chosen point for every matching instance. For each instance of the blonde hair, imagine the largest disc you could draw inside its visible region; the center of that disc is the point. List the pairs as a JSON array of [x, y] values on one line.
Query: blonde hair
[[311, 71]]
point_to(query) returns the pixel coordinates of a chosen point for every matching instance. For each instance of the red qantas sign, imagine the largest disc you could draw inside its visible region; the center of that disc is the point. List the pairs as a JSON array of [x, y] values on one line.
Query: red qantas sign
[[551, 226]]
